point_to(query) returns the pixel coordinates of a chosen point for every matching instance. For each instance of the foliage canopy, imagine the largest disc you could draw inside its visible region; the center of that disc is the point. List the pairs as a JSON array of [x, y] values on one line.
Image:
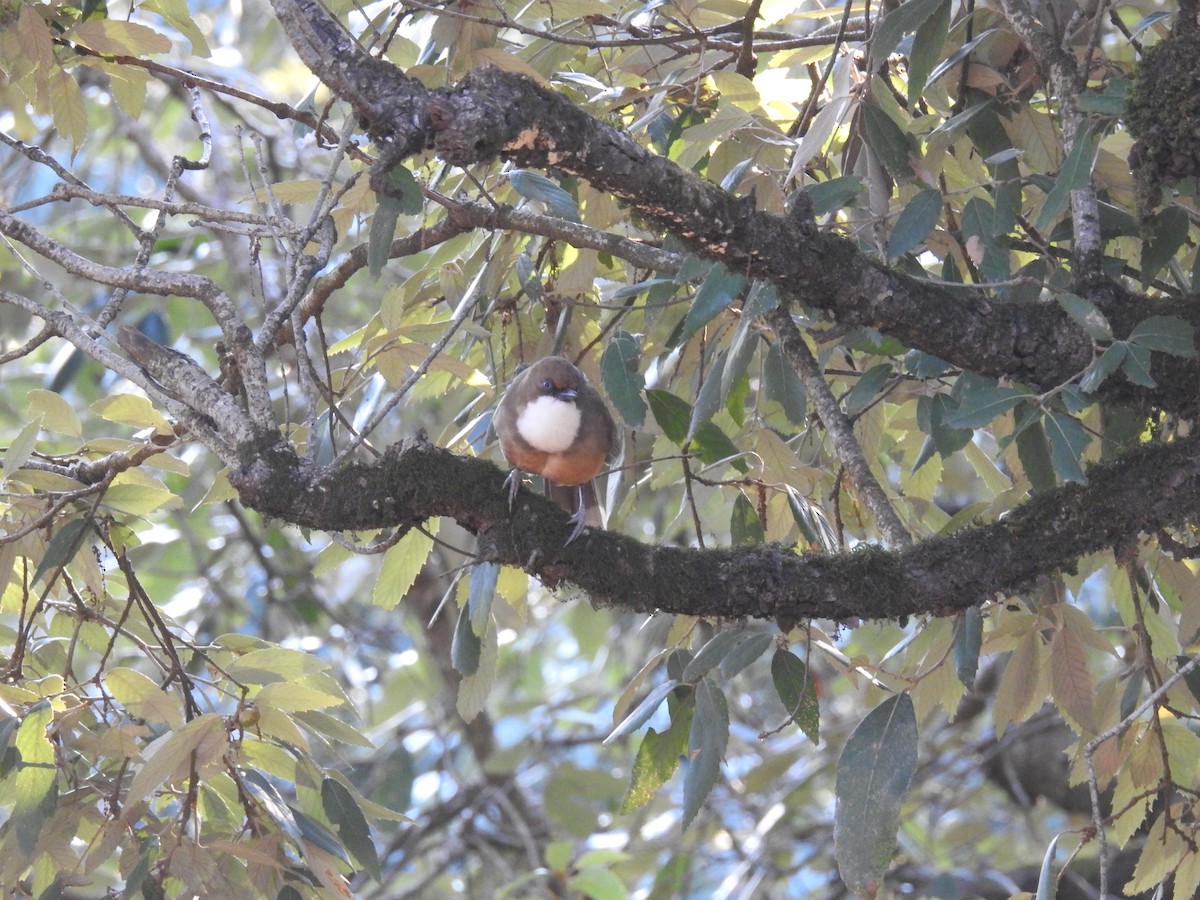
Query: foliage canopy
[[895, 305]]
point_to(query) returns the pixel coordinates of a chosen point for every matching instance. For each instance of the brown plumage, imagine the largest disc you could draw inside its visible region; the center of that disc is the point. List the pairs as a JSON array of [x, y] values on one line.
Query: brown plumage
[[552, 422]]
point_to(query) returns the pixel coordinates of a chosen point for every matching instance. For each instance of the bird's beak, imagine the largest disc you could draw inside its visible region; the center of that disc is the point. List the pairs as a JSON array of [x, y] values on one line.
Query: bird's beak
[[568, 393]]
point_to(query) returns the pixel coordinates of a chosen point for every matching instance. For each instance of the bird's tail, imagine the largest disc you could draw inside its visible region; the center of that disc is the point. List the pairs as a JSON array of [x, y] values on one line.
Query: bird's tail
[[568, 497]]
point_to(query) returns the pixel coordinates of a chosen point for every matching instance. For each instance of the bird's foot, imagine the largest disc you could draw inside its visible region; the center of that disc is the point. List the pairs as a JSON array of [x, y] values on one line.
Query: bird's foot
[[513, 484]]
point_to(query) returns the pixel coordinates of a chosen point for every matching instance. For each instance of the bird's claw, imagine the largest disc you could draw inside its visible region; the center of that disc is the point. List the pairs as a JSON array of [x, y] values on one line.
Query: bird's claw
[[513, 484]]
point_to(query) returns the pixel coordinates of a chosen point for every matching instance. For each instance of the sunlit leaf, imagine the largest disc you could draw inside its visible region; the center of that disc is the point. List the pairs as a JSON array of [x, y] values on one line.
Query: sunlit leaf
[[346, 815]]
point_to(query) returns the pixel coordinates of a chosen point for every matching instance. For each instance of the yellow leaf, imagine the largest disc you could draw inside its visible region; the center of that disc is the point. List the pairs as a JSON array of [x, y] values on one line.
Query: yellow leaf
[[474, 689], [130, 409], [57, 414], [115, 37], [1018, 697], [66, 105], [144, 698], [401, 564], [1071, 680], [36, 42]]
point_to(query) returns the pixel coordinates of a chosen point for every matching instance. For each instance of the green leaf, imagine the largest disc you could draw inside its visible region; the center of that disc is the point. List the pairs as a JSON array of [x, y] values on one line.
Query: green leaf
[[466, 646], [932, 415], [982, 402], [481, 591], [622, 378], [657, 759], [784, 385], [796, 691], [706, 746], [1168, 231], [63, 546], [1166, 334], [903, 19], [383, 230], [885, 138], [535, 186], [1075, 173], [748, 648], [927, 50], [968, 639], [1085, 314], [719, 289], [873, 774], [827, 196], [401, 564], [33, 782], [1035, 456], [915, 222], [598, 884], [347, 817], [1068, 440], [405, 190], [866, 388], [1136, 365], [709, 656], [745, 528], [1103, 366], [708, 398], [713, 444], [672, 414], [21, 447]]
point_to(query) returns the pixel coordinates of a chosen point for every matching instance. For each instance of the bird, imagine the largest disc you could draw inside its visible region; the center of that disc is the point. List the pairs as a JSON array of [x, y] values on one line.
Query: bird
[[552, 422]]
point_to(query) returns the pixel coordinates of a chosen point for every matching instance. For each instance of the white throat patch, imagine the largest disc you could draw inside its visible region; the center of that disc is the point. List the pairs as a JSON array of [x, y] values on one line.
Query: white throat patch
[[549, 424]]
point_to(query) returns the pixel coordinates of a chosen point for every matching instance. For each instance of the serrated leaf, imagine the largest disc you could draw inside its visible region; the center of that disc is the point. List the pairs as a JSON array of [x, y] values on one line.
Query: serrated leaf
[[1103, 366], [968, 639], [167, 754], [474, 689], [1136, 365], [1073, 686], [719, 289], [873, 774], [784, 385], [1166, 334], [268, 665], [706, 747], [623, 381], [745, 528], [982, 403], [347, 817], [657, 759], [797, 692], [115, 37], [401, 565], [1075, 173], [1068, 440], [915, 221], [641, 713], [535, 186], [67, 107]]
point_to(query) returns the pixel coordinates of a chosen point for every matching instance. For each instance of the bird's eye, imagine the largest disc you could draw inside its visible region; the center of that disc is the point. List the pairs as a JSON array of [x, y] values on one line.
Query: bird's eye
[[547, 385]]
